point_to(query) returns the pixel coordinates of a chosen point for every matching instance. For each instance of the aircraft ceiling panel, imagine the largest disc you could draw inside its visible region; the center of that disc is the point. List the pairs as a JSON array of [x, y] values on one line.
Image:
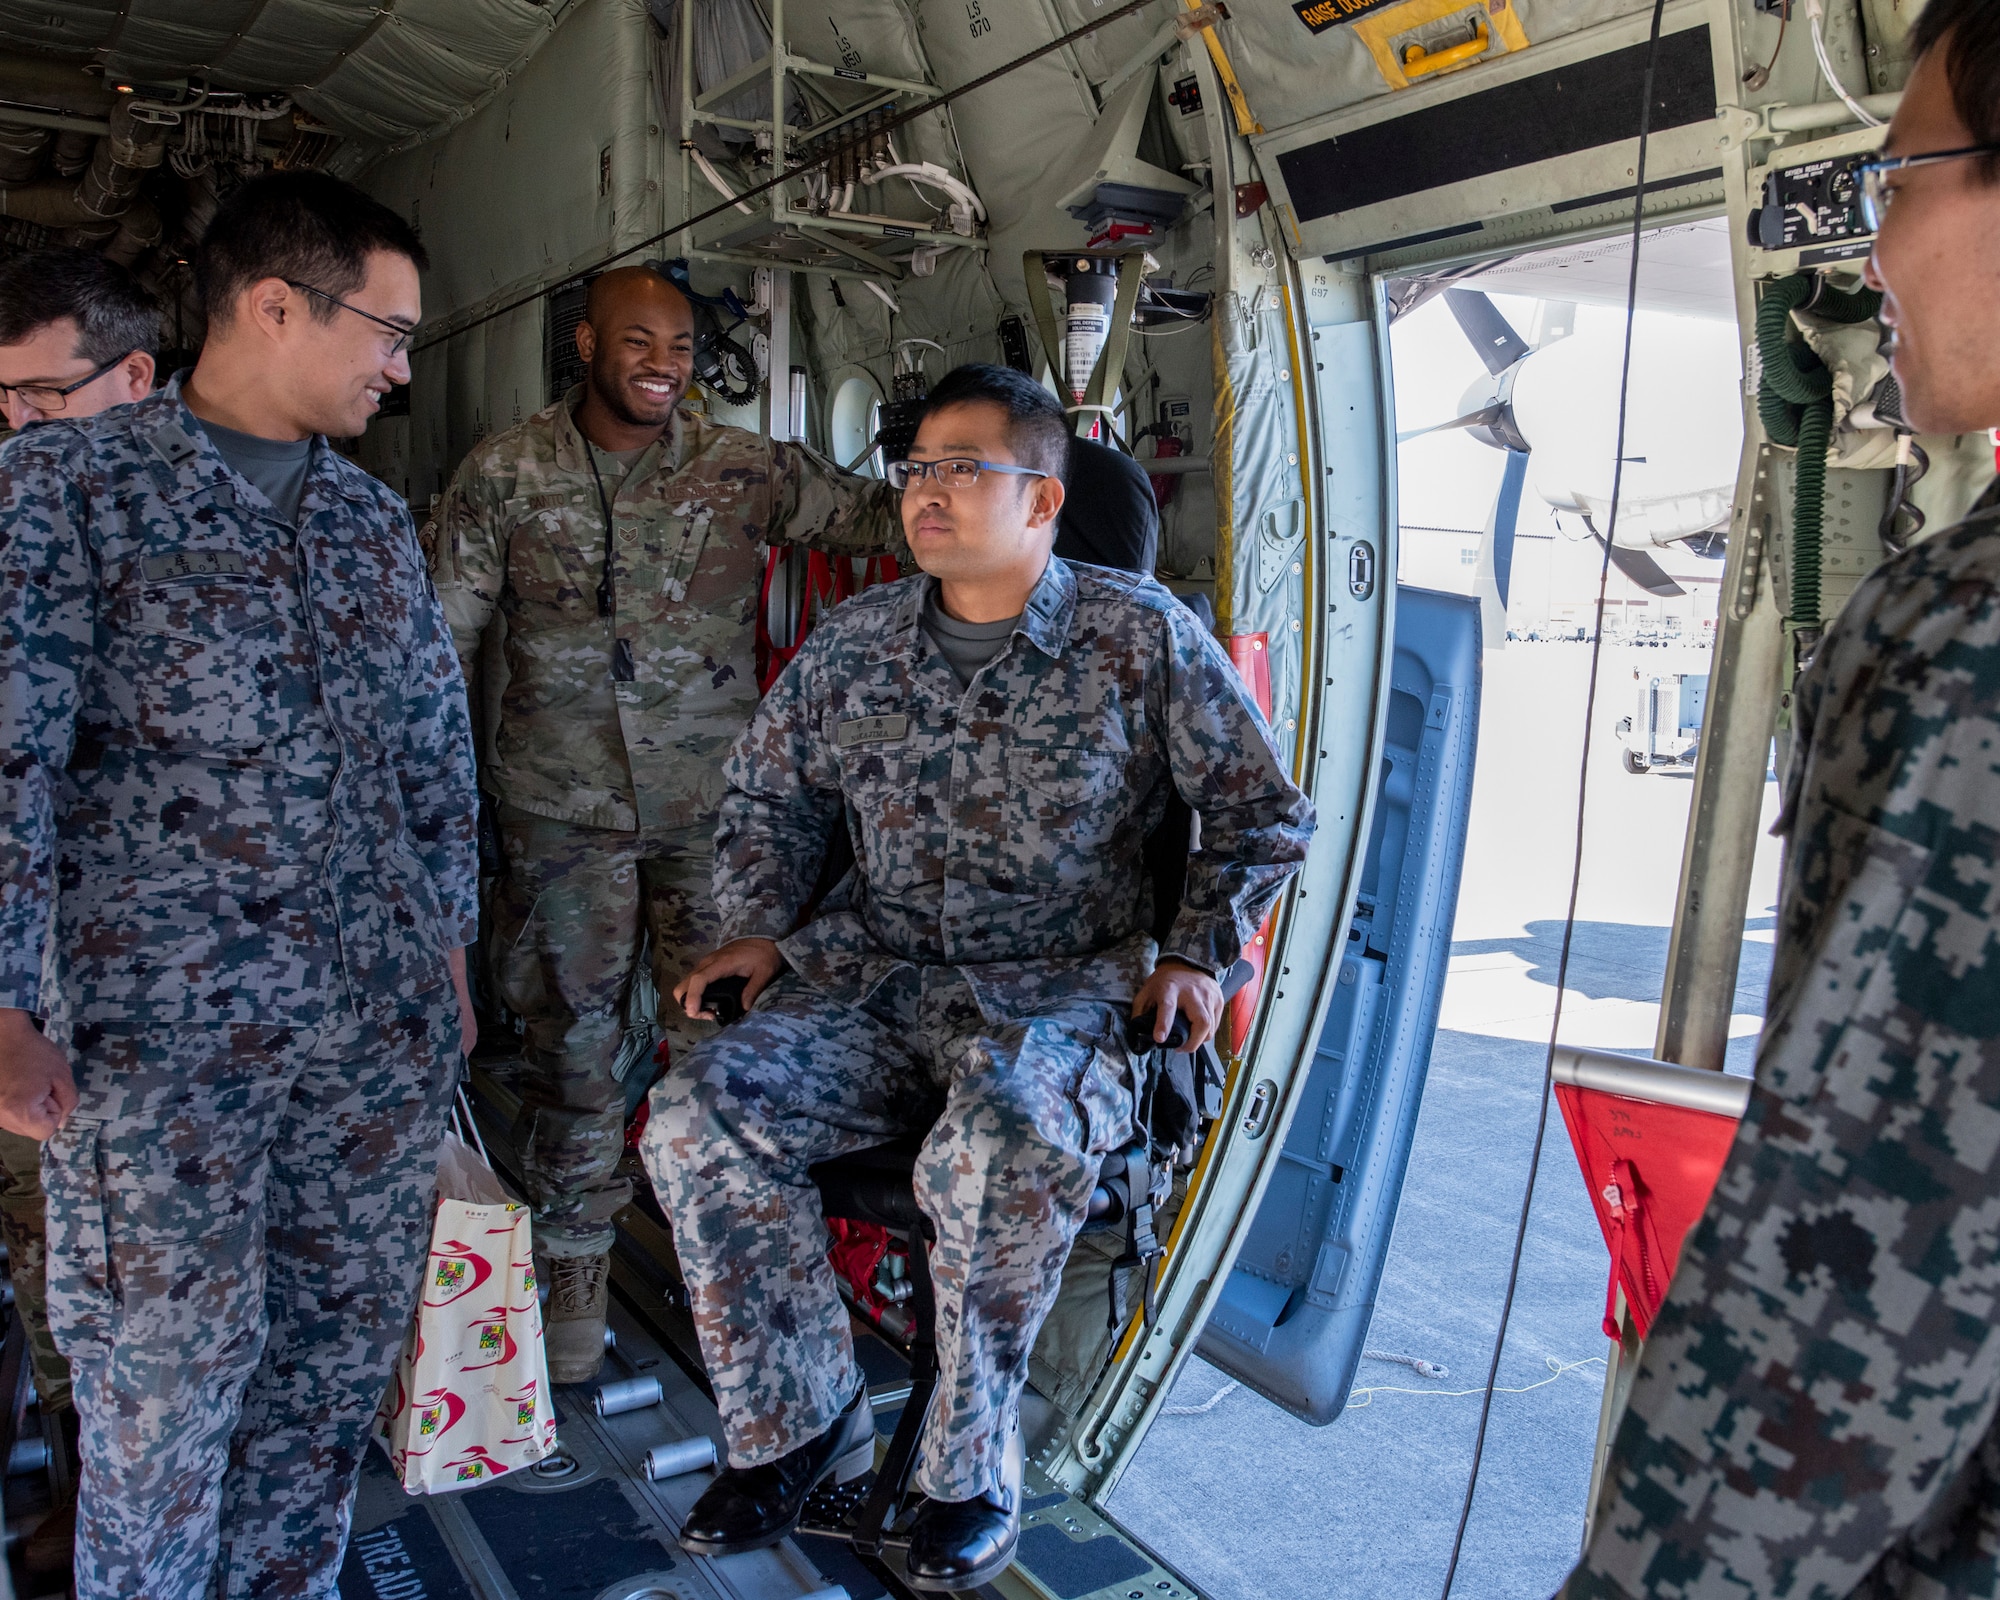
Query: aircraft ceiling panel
[[1291, 74], [1020, 137], [382, 73], [1683, 269], [1548, 130]]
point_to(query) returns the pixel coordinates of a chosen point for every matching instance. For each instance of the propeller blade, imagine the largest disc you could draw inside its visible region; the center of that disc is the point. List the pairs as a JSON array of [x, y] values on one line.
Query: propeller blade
[[1492, 335], [1643, 570], [1558, 323], [1475, 419]]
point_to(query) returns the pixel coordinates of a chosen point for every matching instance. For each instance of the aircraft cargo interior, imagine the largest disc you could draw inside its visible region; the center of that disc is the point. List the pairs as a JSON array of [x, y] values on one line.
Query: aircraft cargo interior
[[1509, 416]]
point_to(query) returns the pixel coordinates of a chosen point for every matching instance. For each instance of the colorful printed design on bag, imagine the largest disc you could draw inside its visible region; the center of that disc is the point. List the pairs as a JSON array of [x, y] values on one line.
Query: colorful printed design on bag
[[494, 1341], [458, 1269], [437, 1413], [477, 1462]]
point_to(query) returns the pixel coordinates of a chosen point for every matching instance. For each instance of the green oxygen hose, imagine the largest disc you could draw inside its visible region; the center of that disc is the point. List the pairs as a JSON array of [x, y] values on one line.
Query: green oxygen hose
[[1795, 402]]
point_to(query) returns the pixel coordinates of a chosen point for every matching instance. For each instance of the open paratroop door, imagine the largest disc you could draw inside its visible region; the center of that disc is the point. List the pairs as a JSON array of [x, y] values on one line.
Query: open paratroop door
[[1293, 1316]]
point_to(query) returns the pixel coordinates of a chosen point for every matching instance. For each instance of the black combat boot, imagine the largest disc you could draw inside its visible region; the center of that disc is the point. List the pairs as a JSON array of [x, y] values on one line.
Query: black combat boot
[[961, 1544], [747, 1508]]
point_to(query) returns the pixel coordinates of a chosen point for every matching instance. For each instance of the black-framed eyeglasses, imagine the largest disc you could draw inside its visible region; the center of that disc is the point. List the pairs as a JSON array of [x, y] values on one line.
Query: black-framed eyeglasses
[[954, 472], [403, 335], [51, 397], [1875, 190]]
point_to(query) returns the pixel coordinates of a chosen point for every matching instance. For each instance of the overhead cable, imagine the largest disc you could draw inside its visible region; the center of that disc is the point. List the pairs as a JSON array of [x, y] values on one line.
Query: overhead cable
[[1582, 798]]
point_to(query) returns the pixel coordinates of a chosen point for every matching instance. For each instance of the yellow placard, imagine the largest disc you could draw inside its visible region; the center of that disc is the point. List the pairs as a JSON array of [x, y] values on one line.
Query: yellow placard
[[1380, 30]]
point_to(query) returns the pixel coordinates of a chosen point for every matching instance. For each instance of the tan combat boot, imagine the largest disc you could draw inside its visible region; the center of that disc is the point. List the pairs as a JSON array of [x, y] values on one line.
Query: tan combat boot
[[579, 1297]]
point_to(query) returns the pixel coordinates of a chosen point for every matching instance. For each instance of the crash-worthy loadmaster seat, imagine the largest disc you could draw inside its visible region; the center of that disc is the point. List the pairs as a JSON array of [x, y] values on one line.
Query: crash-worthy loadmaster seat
[[1179, 1094]]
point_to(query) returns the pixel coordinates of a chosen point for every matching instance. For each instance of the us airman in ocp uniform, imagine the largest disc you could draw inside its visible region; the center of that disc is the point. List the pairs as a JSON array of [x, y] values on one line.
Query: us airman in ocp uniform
[[624, 690]]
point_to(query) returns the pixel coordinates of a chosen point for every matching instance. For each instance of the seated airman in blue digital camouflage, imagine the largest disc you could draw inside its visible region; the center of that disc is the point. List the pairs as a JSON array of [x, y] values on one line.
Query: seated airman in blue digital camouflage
[[233, 730], [998, 735]]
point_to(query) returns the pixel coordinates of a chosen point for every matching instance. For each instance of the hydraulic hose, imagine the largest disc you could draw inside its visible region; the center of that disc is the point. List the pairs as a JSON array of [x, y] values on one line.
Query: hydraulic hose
[[1795, 402]]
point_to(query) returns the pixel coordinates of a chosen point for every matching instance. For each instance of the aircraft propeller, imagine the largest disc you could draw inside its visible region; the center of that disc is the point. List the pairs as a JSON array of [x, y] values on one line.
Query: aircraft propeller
[[1488, 415]]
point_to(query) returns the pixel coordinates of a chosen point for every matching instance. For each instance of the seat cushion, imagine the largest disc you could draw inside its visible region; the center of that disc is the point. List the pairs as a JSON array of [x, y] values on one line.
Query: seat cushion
[[878, 1185], [875, 1185]]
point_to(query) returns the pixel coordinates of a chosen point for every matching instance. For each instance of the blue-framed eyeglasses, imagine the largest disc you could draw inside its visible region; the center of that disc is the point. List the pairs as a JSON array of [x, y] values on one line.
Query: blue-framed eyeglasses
[[50, 398], [1876, 192], [954, 472], [403, 335]]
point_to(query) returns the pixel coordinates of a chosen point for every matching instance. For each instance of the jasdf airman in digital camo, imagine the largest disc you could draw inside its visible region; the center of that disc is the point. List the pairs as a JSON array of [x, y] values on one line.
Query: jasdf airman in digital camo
[[77, 337], [234, 753], [998, 738], [1814, 1416], [624, 690]]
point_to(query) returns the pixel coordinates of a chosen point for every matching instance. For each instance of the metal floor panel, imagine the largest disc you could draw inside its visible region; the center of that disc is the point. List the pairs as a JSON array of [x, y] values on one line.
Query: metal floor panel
[[1069, 1550], [601, 1532]]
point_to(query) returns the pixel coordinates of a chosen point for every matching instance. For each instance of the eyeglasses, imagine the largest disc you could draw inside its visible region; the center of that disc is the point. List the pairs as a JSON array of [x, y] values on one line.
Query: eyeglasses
[[1875, 190], [954, 472], [403, 335], [47, 397]]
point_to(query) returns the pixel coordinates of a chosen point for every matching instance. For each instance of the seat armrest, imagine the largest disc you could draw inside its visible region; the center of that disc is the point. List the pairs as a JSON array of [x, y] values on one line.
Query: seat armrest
[[725, 998], [1235, 978], [1139, 1030]]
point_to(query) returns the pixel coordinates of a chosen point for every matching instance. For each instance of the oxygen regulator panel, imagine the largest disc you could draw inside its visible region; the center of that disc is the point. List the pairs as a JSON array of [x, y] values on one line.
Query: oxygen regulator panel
[[1811, 211]]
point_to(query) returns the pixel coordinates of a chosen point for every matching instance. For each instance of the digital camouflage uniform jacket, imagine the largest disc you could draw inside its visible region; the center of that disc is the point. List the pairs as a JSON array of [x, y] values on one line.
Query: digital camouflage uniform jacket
[[522, 531], [241, 748], [998, 828], [1813, 1415]]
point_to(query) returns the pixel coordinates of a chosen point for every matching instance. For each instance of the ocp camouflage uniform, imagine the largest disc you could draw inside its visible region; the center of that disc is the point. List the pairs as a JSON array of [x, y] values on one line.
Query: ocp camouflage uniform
[[970, 979], [1814, 1413], [25, 1230], [607, 789], [242, 750]]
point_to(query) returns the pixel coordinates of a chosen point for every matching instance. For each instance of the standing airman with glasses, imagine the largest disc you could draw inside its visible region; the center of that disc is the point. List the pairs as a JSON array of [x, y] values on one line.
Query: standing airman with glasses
[[232, 728], [1815, 1410], [77, 336]]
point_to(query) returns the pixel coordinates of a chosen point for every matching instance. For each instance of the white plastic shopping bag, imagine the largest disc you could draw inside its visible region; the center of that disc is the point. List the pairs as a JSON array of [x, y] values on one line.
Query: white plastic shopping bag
[[470, 1399]]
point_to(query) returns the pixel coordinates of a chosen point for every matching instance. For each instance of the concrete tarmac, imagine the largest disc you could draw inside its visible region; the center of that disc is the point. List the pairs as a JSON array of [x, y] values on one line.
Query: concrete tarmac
[[1252, 1504]]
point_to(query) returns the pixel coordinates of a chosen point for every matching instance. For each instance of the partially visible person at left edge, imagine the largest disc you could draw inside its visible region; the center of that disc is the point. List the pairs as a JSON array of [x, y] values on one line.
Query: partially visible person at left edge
[[232, 728], [77, 335], [1814, 1414]]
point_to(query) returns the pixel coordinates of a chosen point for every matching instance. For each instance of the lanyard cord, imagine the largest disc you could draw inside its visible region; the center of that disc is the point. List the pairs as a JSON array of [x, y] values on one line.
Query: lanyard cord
[[1582, 797], [623, 668], [607, 587]]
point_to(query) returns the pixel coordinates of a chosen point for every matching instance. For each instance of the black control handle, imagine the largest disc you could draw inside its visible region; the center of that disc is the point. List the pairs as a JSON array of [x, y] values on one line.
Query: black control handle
[[1139, 1033], [724, 997]]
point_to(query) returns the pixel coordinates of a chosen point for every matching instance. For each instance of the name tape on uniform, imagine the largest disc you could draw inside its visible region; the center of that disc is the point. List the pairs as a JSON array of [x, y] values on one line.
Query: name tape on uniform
[[194, 564], [871, 730]]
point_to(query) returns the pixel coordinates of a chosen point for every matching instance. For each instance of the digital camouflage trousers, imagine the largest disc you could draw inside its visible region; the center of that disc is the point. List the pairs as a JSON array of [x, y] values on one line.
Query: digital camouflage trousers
[[1019, 1114], [237, 1218], [574, 908], [26, 1233]]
